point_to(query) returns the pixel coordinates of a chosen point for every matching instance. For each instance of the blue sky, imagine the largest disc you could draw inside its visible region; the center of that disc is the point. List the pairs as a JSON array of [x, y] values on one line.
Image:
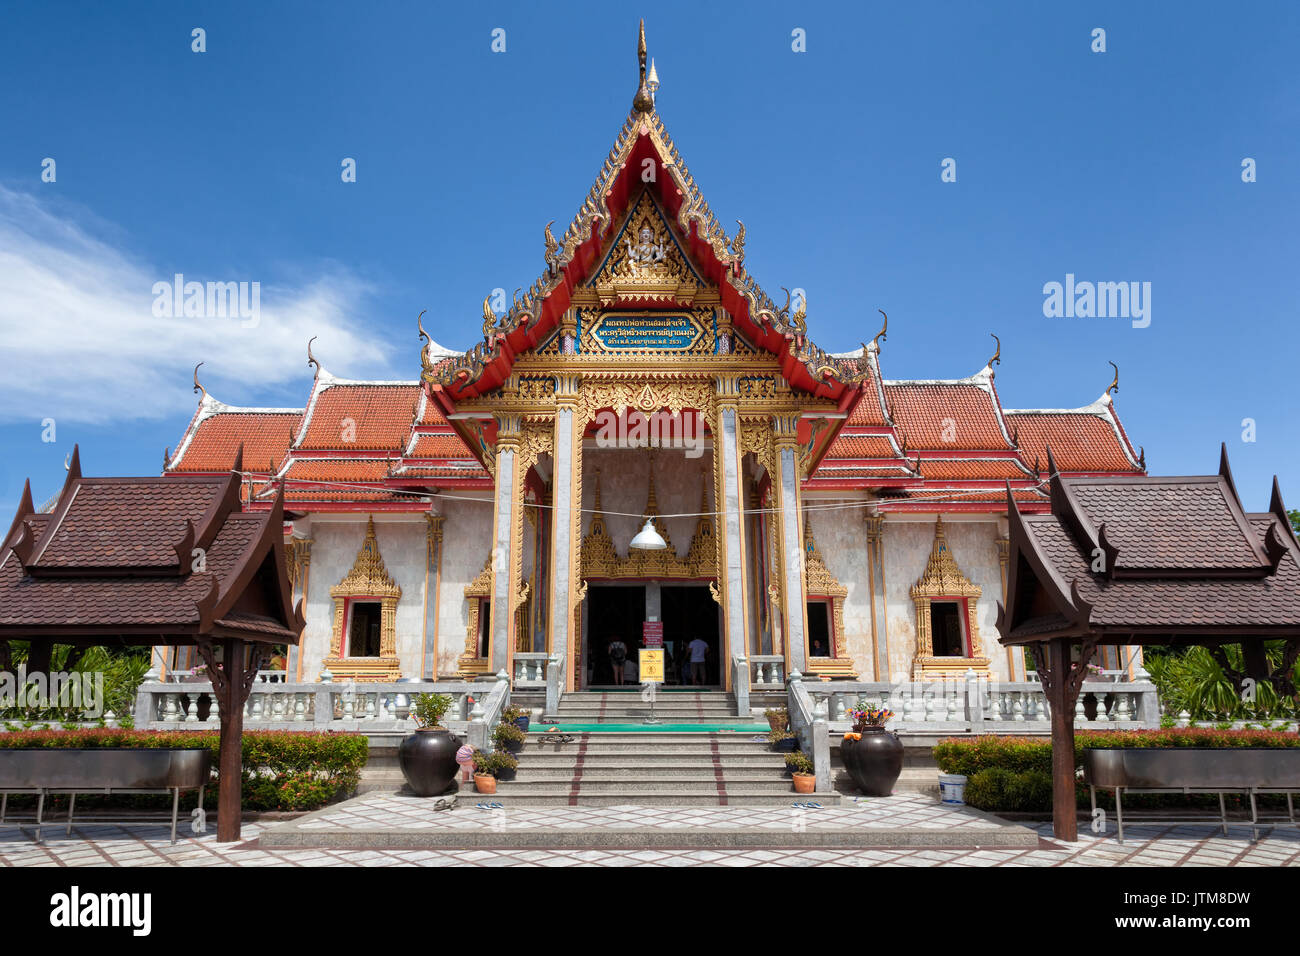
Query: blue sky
[[225, 166]]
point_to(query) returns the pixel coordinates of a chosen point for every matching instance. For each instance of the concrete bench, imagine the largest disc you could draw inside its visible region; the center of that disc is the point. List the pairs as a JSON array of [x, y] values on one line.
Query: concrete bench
[[100, 770], [1248, 771]]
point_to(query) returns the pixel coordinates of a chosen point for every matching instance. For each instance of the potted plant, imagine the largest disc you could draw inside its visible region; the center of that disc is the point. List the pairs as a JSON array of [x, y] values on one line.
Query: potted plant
[[802, 772], [783, 740], [517, 716], [509, 737], [428, 756], [778, 718], [872, 755], [488, 767]]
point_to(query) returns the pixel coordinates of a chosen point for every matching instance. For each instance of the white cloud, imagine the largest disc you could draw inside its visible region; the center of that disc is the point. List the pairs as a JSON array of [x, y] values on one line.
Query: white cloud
[[79, 341]]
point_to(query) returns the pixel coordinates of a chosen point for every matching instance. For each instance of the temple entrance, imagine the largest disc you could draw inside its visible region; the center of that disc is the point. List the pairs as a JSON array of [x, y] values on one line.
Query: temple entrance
[[689, 611], [615, 611]]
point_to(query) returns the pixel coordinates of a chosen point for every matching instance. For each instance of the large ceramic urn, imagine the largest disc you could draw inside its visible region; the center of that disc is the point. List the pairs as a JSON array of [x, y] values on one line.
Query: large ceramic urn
[[874, 761], [428, 761]]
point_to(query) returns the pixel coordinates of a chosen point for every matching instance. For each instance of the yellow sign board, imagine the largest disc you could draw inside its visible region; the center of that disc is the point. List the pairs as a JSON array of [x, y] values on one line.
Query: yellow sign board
[[652, 666]]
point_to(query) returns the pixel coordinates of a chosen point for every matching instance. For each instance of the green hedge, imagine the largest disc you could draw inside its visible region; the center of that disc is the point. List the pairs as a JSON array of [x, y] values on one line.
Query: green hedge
[[282, 769], [970, 755], [1015, 773]]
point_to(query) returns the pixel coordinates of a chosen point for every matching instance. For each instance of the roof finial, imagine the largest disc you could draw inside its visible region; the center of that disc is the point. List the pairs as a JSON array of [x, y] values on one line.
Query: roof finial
[[997, 356], [419, 325], [311, 359], [1113, 386], [880, 336], [197, 386], [644, 101]]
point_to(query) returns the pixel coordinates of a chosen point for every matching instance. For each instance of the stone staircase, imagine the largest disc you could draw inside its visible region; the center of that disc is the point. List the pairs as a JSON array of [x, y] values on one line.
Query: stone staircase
[[726, 762], [671, 708]]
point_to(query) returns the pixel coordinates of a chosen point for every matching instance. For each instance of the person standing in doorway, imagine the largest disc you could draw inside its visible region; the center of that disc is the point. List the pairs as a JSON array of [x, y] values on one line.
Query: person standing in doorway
[[617, 655], [699, 654]]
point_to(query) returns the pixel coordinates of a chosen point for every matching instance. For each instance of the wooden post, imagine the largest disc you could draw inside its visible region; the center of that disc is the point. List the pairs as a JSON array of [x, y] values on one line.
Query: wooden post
[[1065, 824], [230, 685]]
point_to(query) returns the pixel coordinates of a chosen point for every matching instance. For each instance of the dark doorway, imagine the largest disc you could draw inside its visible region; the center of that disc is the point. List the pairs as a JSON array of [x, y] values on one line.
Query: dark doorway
[[613, 612], [945, 629], [819, 629], [689, 612], [363, 636]]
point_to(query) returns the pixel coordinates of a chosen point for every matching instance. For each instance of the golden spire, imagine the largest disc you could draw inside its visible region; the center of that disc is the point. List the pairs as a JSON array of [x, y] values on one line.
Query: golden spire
[[1113, 386], [644, 101]]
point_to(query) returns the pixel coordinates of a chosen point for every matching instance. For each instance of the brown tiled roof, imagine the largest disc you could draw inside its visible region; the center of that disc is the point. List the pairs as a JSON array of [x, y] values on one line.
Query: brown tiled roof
[[1169, 523], [106, 568], [1174, 603], [1190, 565], [113, 523]]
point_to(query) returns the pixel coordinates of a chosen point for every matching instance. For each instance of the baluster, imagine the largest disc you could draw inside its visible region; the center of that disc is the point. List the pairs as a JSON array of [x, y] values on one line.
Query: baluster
[[171, 712], [1102, 712], [954, 707], [1018, 707], [300, 706], [1080, 715], [994, 712], [371, 706], [1123, 708], [192, 709], [349, 706]]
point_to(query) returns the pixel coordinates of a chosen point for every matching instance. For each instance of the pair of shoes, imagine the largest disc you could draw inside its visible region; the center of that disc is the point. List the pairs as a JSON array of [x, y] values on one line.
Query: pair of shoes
[[489, 806], [809, 805]]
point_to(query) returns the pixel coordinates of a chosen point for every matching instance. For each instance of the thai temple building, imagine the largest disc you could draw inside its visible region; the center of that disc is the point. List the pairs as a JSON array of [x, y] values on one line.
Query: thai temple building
[[812, 508]]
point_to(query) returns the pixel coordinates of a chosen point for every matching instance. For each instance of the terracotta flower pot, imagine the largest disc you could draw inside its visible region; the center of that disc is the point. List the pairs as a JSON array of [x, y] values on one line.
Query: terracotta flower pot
[[428, 761], [874, 762], [805, 783], [485, 783]]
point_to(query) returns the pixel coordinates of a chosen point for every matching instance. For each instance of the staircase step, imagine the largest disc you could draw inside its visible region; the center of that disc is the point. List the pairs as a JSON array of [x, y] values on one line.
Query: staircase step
[[679, 798]]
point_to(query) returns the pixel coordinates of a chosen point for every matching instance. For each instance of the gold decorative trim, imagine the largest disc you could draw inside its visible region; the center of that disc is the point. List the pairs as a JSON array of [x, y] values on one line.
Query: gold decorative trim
[[942, 578], [469, 663], [369, 578]]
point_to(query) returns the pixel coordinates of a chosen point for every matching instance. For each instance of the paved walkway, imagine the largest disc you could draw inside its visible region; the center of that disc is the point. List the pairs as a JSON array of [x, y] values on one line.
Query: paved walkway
[[92, 845]]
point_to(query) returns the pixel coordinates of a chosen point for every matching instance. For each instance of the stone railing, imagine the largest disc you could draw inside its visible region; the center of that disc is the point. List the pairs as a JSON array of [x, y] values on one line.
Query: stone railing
[[740, 683], [820, 708], [486, 713], [767, 671], [808, 721], [530, 670], [371, 707], [554, 685], [986, 707]]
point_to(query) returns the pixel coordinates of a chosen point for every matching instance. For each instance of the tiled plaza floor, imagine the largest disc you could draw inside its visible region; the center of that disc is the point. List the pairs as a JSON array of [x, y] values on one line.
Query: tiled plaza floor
[[1146, 845]]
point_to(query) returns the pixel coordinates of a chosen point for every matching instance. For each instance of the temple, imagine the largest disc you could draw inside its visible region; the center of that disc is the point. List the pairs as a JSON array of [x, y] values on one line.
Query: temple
[[815, 513]]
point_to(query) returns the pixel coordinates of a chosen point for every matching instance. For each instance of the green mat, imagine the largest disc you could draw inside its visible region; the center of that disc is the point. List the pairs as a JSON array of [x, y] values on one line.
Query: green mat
[[746, 730]]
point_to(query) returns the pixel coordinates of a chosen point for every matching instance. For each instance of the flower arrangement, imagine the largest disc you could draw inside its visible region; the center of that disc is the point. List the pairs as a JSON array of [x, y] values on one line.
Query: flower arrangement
[[864, 715]]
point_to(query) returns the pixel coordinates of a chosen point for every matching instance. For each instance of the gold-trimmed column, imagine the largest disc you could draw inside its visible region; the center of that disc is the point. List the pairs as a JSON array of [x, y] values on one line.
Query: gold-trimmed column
[[566, 524], [879, 601], [789, 521], [1004, 550], [298, 555], [731, 531], [432, 566], [507, 556]]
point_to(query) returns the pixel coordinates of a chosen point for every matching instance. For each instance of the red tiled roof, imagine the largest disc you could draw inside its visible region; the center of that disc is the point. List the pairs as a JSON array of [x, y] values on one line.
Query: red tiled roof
[[340, 469], [867, 411], [439, 446], [974, 468], [945, 415], [216, 440], [373, 416], [861, 446], [1080, 441]]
